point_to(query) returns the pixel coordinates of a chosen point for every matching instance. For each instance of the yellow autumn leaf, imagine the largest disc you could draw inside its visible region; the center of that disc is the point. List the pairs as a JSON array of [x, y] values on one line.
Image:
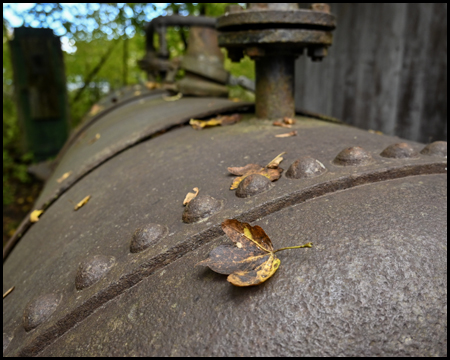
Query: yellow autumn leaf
[[82, 202], [63, 177], [34, 216]]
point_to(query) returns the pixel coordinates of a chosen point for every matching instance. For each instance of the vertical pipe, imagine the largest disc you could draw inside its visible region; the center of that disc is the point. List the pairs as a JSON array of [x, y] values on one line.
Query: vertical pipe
[[275, 86]]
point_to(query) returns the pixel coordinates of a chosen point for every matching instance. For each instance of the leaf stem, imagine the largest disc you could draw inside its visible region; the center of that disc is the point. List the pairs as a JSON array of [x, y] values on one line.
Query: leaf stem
[[295, 247]]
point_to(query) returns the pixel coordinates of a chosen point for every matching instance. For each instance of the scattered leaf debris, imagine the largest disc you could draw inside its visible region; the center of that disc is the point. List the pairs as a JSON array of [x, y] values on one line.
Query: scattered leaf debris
[[8, 292], [292, 133], [190, 196], [82, 202], [34, 216], [94, 139], [251, 260], [173, 98], [272, 171], [137, 93], [63, 177], [221, 120]]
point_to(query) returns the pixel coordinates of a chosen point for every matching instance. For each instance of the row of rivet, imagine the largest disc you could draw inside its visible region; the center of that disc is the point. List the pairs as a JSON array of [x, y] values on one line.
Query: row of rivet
[[94, 268]]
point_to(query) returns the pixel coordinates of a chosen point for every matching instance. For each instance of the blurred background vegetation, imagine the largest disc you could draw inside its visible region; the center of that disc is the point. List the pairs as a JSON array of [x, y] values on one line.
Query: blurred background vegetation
[[101, 44]]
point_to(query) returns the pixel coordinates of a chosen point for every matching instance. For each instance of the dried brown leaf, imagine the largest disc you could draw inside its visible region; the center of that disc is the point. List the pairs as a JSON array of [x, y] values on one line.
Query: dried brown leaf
[[251, 260], [190, 196], [34, 216], [244, 169], [288, 121], [292, 133], [271, 174], [63, 177], [9, 291], [282, 124], [82, 202]]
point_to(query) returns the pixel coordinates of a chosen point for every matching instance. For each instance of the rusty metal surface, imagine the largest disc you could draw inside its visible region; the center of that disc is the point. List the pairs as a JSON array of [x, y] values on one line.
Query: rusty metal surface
[[374, 284], [146, 184], [275, 87], [273, 18], [127, 125], [289, 37]]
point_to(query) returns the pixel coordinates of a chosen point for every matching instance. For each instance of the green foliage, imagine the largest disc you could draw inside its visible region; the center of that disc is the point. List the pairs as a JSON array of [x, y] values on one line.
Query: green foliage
[[102, 42]]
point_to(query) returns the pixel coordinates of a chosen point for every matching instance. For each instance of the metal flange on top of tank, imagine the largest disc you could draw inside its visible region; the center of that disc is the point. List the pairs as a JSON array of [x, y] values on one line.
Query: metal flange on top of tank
[[274, 34]]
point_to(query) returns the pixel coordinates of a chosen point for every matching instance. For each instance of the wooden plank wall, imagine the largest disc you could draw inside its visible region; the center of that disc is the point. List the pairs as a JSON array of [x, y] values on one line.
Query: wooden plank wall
[[386, 70]]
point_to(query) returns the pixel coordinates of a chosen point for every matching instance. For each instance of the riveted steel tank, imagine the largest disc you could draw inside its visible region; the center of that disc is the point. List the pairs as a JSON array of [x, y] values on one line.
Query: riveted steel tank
[[117, 276]]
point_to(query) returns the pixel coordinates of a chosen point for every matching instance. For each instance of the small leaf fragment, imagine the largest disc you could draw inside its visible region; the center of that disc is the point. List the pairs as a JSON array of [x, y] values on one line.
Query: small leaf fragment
[[288, 121], [222, 120], [63, 177], [82, 202], [173, 98], [282, 124], [137, 93], [275, 162], [190, 196], [34, 216], [292, 133], [94, 139], [9, 291]]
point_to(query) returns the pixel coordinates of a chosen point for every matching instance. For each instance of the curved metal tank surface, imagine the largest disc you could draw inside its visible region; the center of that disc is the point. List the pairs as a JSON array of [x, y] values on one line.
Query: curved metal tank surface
[[90, 283]]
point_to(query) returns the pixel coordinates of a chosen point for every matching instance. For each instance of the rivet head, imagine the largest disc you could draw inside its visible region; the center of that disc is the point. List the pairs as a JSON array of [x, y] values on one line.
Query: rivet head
[[146, 236], [39, 310], [437, 148], [353, 156], [305, 167], [399, 151], [203, 206], [92, 270], [252, 185]]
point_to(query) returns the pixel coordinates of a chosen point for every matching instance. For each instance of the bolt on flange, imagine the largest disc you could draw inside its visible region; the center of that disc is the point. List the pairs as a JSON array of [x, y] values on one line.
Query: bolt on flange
[[274, 34]]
